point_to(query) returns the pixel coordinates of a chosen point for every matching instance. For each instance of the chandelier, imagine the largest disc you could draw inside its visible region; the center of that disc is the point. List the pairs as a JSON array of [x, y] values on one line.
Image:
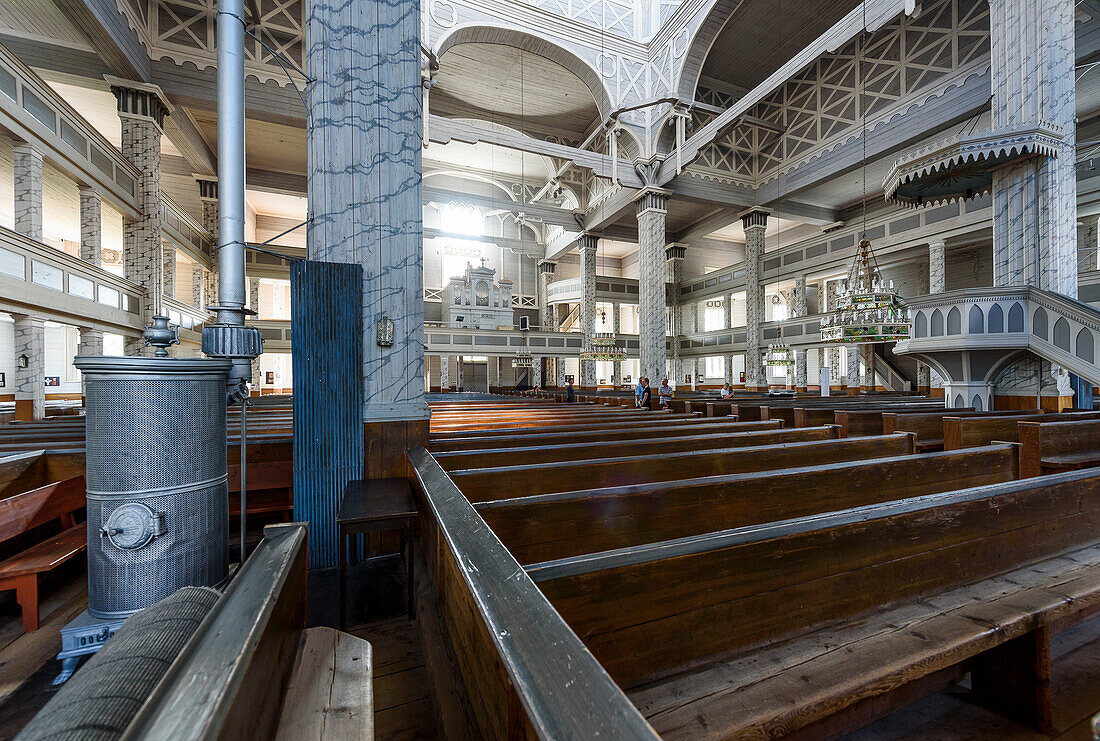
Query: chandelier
[[523, 359], [604, 349], [868, 310], [779, 354]]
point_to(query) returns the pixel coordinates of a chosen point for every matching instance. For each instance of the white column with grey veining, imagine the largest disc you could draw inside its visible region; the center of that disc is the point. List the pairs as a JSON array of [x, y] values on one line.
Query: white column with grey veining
[[616, 327], [674, 261], [28, 190], [1032, 60], [727, 311], [755, 224], [198, 281], [728, 362], [444, 372], [867, 357], [559, 366], [536, 373], [168, 271], [1088, 239], [831, 298], [799, 309], [546, 310], [141, 110], [652, 317], [208, 196], [91, 343], [852, 375], [937, 266], [254, 305], [91, 226], [364, 141], [588, 246], [30, 382]]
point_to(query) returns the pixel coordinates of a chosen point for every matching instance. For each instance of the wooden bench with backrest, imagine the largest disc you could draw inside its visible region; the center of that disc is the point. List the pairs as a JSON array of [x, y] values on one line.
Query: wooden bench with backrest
[[969, 432], [868, 420], [1055, 446], [560, 525], [776, 628], [486, 484], [565, 427], [735, 434], [32, 513], [928, 426], [819, 413], [617, 432]]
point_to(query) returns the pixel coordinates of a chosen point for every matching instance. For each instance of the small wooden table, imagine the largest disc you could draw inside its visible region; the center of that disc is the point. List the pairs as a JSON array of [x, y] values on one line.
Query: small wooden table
[[371, 506]]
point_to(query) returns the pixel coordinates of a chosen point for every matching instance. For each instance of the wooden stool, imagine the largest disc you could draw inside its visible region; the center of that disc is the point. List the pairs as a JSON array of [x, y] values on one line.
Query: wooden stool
[[373, 506]]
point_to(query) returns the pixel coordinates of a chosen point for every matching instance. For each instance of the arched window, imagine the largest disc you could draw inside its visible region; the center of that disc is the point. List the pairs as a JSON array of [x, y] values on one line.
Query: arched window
[[1016, 318], [996, 319], [920, 325], [1061, 334], [976, 320], [976, 402], [954, 321], [937, 323], [1084, 345], [1039, 323]]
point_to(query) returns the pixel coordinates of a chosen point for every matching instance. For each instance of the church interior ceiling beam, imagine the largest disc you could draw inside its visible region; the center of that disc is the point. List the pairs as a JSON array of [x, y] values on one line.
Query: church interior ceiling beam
[[547, 214], [443, 130], [876, 13], [110, 35]]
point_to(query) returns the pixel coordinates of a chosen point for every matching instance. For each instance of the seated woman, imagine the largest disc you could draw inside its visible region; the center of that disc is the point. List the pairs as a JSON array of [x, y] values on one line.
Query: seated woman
[[726, 391]]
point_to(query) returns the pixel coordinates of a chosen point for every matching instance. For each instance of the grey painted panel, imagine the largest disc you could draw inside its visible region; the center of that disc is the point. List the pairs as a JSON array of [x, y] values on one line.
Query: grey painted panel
[[772, 264], [816, 251], [940, 213], [904, 225], [843, 242], [792, 258]]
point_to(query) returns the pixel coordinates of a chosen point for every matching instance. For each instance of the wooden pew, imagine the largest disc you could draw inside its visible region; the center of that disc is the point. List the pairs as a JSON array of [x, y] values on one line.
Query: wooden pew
[[755, 596], [642, 418], [968, 432], [560, 525], [1056, 446], [928, 426], [22, 513], [618, 432], [656, 445], [527, 674], [486, 484], [253, 670], [868, 420], [20, 472]]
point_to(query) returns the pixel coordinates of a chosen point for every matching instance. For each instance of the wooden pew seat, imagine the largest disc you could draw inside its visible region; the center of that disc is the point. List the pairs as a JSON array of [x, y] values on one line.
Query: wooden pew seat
[[25, 512], [826, 682]]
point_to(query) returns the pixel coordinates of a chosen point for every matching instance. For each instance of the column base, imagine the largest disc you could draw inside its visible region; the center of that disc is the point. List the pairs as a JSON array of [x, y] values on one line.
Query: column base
[[24, 410], [385, 443]]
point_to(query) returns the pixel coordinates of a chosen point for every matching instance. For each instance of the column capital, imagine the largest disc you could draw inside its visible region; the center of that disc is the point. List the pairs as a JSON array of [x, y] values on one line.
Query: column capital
[[139, 100], [676, 251], [652, 199], [208, 186], [755, 218], [937, 243], [27, 148], [588, 242], [546, 267]]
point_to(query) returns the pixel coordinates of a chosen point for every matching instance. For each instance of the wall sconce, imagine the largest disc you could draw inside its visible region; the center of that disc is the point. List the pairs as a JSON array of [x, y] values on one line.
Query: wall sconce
[[24, 361], [385, 332]]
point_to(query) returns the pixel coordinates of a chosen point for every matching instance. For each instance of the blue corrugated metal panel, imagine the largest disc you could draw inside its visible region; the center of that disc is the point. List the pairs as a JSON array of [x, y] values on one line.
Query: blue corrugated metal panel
[[327, 344]]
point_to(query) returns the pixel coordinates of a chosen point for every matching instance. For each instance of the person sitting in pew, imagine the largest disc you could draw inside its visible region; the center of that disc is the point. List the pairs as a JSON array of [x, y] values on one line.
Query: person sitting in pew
[[664, 394], [726, 391], [570, 394], [638, 391], [645, 400]]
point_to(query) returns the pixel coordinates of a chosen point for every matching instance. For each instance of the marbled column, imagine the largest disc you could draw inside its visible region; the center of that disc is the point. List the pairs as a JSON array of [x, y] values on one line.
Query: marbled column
[[28, 190], [198, 283], [652, 314], [546, 311], [142, 109], [755, 224], [729, 369], [727, 311], [867, 356], [831, 298], [168, 271], [1035, 200], [254, 304], [91, 343], [458, 374], [559, 364], [852, 380], [30, 382], [616, 327], [364, 141], [208, 196], [937, 267], [91, 226], [536, 373], [588, 246], [798, 309], [444, 372], [674, 262]]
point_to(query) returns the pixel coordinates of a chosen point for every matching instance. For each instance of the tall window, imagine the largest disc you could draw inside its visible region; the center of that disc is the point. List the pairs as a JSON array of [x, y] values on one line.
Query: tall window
[[714, 366], [715, 317], [460, 218]]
